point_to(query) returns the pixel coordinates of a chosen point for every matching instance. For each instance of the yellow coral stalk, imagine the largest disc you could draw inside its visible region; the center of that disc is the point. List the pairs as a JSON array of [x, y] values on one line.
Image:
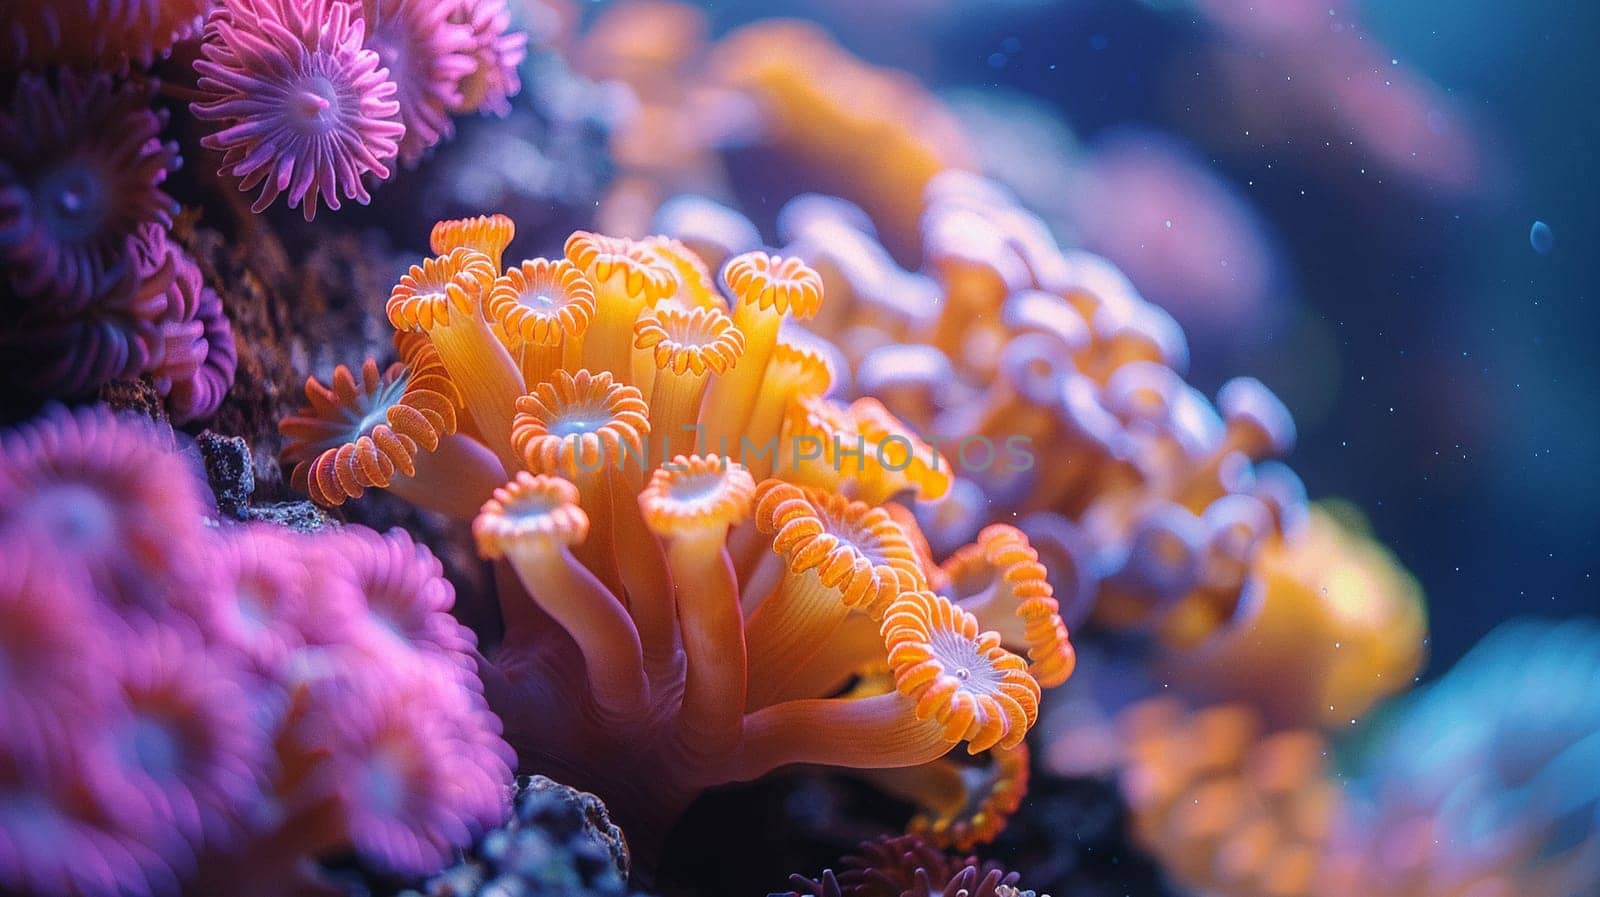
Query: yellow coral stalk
[[627, 279], [687, 348], [690, 504], [532, 521], [443, 297], [768, 287]]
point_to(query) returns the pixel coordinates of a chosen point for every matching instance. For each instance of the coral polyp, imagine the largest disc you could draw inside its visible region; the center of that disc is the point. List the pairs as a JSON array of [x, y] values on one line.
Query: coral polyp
[[81, 168], [425, 53], [194, 365], [497, 51], [388, 757], [371, 432], [190, 746], [106, 494], [975, 689], [308, 109]]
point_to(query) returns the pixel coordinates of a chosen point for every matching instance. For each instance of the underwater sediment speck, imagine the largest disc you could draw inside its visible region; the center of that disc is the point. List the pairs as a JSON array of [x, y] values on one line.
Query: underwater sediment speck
[[548, 447]]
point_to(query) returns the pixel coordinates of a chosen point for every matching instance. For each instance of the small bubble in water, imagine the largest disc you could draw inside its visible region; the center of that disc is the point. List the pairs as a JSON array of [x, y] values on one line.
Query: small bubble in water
[[1542, 238]]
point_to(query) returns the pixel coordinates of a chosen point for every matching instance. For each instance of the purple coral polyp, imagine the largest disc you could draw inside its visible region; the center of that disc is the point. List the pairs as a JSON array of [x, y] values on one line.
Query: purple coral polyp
[[81, 168], [196, 357], [317, 95], [309, 109], [104, 294], [406, 598], [106, 493], [412, 762], [188, 707], [498, 51], [427, 55]]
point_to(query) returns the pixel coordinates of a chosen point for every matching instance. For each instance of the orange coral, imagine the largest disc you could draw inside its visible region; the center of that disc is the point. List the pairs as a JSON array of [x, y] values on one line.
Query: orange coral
[[1333, 625], [376, 432], [1225, 807], [670, 624], [542, 308], [679, 352], [1000, 579], [837, 122], [696, 289], [838, 557], [961, 803], [904, 463], [443, 298], [768, 289], [628, 278], [843, 120], [580, 422], [488, 234], [1038, 388], [975, 689]]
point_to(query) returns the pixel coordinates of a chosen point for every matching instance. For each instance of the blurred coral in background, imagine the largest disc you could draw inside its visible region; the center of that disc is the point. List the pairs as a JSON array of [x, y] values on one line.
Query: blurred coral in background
[[1481, 782], [778, 93]]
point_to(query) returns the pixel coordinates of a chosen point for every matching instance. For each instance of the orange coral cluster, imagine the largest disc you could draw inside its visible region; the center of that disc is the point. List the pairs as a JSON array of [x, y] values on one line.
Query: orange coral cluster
[[783, 86], [702, 568], [1225, 806], [1056, 395], [1156, 510], [1169, 517]]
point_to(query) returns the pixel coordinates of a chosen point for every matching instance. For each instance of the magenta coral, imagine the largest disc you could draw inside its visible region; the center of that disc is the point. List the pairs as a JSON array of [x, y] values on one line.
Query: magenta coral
[[186, 707], [309, 110], [72, 356], [94, 34], [427, 55], [497, 50], [189, 739], [81, 168], [268, 602], [103, 491], [197, 355], [157, 318], [407, 599], [393, 747], [182, 349], [47, 629], [58, 836]]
